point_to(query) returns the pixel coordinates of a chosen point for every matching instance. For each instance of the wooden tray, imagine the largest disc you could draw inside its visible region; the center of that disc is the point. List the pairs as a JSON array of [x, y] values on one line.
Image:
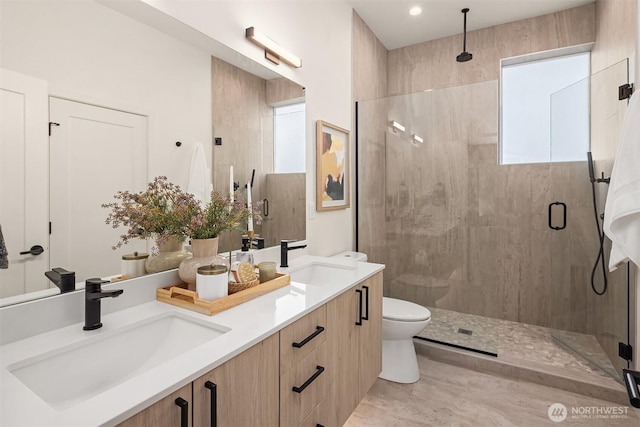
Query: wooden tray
[[180, 296]]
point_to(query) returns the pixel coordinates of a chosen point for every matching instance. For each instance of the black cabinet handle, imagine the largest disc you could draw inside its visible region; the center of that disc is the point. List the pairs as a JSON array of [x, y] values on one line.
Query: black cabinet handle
[[265, 207], [564, 216], [317, 332], [214, 402], [34, 250], [359, 292], [319, 425], [366, 301], [184, 411], [319, 370]]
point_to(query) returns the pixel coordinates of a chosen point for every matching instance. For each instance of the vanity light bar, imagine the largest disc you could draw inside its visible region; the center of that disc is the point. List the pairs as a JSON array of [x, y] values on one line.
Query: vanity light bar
[[272, 50], [397, 126], [418, 138]]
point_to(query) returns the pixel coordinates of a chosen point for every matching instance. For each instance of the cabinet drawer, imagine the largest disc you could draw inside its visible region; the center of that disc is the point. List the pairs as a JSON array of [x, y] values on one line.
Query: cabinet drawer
[[318, 417], [307, 333], [310, 379]]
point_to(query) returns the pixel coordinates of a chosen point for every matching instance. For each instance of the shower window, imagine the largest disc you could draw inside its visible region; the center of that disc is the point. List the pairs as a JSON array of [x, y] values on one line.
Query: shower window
[[289, 137], [527, 84]]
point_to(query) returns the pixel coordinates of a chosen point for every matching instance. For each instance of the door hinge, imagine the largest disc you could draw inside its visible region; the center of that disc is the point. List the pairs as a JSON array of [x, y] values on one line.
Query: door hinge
[[52, 124], [625, 91], [625, 351]]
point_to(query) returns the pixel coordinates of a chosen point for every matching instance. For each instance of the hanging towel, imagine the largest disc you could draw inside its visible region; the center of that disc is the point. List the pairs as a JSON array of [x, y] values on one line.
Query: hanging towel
[[622, 210], [199, 177], [4, 255]]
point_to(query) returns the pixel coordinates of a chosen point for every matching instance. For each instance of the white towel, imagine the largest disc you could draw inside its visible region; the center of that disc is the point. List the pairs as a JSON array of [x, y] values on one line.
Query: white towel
[[199, 177], [622, 210]]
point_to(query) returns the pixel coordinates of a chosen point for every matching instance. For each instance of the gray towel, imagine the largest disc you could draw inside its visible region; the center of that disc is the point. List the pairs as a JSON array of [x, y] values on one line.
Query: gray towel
[[4, 255]]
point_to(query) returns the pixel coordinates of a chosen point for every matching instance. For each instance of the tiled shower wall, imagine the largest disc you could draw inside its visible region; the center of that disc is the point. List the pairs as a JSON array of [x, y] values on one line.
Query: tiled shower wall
[[242, 115], [460, 231]]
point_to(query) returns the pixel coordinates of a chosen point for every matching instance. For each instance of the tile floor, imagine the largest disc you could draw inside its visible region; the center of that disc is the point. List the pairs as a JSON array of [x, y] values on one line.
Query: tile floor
[[529, 346], [448, 395]]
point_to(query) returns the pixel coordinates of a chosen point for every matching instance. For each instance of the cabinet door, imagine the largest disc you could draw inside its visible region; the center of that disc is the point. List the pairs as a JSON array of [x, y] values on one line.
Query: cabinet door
[[370, 353], [342, 346], [166, 412], [246, 389]]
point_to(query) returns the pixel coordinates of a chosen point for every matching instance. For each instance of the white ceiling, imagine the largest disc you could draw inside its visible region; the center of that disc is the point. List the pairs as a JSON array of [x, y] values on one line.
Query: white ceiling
[[395, 28]]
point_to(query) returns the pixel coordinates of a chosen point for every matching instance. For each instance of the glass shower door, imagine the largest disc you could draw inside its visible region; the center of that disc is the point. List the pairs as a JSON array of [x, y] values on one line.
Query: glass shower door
[[589, 306]]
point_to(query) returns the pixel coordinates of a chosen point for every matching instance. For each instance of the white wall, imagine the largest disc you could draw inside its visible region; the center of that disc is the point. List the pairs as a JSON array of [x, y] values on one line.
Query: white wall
[[319, 32], [89, 52]]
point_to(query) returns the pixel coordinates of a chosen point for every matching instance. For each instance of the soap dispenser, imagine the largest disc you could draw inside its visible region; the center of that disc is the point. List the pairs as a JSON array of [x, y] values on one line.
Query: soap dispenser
[[245, 254]]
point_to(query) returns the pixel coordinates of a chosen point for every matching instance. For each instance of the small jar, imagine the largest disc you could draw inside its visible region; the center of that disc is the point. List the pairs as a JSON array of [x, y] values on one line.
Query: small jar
[[212, 282], [267, 271], [132, 265]]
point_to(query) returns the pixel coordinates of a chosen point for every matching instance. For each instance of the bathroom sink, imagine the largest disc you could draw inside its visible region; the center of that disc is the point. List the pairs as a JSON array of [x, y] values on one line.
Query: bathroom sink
[[69, 375], [319, 274]]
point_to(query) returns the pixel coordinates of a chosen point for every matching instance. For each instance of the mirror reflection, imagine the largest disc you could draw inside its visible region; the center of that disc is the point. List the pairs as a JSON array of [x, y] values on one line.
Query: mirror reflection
[[123, 107]]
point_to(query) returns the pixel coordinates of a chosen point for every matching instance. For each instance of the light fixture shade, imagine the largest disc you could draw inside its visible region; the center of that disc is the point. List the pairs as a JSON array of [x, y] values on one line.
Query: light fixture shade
[[397, 126], [273, 51], [418, 138]]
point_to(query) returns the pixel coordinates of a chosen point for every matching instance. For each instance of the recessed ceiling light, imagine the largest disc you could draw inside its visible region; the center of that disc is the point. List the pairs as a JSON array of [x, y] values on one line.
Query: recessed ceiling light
[[415, 11]]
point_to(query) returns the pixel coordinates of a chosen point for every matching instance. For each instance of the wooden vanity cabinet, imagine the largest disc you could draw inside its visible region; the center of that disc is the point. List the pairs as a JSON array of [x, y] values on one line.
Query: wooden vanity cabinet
[[169, 411], [246, 389], [337, 354], [354, 345]]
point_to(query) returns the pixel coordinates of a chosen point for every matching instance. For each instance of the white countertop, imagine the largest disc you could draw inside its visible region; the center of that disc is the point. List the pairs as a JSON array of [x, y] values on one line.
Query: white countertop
[[249, 324]]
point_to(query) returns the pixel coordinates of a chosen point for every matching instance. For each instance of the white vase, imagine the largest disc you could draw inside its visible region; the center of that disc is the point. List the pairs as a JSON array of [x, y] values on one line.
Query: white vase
[[205, 251], [171, 254]]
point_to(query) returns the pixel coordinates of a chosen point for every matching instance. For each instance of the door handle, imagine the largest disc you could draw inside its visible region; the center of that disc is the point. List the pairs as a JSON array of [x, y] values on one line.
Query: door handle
[[319, 370], [184, 411], [35, 250], [366, 305], [359, 292], [564, 216], [317, 332], [214, 402]]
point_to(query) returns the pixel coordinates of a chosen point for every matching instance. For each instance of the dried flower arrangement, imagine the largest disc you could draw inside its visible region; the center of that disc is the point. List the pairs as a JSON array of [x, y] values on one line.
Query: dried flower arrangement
[[164, 210]]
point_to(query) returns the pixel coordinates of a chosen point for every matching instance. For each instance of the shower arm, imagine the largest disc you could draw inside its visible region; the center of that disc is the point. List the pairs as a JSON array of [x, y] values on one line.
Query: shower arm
[[464, 36]]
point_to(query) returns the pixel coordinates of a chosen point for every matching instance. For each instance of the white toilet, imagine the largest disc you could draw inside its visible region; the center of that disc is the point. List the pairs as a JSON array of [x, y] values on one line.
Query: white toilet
[[401, 320]]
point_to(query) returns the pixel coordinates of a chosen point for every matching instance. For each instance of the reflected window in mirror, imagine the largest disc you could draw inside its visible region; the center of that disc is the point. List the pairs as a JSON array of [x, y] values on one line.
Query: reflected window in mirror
[[289, 139]]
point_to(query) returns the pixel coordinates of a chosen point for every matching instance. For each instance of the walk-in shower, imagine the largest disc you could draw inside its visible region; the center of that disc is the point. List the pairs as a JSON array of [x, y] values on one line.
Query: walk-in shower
[[470, 238]]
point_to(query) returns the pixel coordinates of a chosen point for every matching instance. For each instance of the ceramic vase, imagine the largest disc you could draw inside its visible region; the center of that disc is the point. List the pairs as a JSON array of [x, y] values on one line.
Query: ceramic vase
[[205, 252], [171, 254]]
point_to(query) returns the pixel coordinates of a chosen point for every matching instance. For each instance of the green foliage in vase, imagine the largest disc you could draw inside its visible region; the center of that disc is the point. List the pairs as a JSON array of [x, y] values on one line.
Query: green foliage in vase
[[164, 210]]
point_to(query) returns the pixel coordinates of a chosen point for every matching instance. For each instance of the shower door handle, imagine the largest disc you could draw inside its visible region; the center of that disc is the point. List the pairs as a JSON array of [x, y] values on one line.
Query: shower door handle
[[564, 216]]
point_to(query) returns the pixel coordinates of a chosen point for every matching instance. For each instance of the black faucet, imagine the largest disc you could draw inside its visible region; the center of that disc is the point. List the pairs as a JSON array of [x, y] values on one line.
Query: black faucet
[[65, 280], [93, 293], [284, 251]]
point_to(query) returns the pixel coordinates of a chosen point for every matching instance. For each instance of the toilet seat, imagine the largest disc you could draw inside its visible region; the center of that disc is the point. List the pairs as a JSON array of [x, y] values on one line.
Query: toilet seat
[[404, 311]]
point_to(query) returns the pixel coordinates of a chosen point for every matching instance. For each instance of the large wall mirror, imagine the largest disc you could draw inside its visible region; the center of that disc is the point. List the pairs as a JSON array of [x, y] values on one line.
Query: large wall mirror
[[154, 83]]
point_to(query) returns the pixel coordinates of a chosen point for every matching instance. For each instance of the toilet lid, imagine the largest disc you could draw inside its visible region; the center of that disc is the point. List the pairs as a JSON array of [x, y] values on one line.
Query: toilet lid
[[395, 309]]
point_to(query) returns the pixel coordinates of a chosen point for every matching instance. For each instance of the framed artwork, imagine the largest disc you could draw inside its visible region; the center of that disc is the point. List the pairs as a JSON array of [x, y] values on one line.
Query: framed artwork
[[332, 167]]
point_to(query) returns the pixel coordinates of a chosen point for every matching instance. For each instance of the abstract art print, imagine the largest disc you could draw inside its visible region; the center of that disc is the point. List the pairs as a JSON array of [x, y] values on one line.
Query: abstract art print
[[332, 158]]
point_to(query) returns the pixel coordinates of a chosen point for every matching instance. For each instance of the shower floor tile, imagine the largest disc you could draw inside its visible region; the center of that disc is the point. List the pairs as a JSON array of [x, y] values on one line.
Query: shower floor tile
[[528, 346]]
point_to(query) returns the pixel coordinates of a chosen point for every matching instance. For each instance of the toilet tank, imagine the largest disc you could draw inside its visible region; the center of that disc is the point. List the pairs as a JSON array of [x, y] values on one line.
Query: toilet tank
[[357, 256]]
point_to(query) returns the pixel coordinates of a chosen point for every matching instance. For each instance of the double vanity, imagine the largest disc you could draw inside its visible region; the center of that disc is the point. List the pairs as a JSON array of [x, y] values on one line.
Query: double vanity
[[304, 354]]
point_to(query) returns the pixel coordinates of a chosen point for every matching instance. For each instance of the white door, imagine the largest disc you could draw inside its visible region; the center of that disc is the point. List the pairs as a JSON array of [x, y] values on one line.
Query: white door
[[95, 152], [24, 201]]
